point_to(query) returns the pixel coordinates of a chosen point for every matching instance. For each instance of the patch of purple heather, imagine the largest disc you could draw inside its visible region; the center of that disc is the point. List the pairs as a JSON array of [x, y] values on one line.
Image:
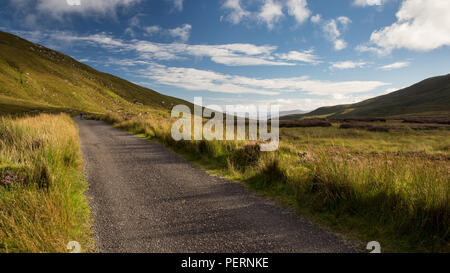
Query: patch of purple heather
[[9, 178]]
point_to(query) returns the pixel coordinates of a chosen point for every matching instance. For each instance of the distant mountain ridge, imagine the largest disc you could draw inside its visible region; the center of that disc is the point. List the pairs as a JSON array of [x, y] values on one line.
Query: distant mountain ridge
[[287, 113], [428, 98], [35, 77]]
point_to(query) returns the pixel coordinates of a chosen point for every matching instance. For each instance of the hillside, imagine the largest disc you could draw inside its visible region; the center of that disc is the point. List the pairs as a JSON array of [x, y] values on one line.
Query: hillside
[[33, 77], [428, 98]]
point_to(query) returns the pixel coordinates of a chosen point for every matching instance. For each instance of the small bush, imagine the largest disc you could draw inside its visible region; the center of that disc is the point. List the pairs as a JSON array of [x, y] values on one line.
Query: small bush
[[246, 156], [38, 175], [272, 171], [10, 177]]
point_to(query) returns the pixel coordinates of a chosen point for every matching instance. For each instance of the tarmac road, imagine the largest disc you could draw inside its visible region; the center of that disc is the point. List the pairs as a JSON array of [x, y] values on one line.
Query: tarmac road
[[145, 198]]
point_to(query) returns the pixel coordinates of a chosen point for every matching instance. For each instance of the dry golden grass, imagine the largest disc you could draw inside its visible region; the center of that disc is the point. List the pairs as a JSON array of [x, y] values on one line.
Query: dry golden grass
[[42, 203]]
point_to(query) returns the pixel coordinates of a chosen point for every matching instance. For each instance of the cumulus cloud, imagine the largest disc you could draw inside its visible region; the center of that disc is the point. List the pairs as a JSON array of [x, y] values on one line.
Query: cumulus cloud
[[236, 12], [332, 30], [268, 12], [344, 20], [57, 8], [316, 18], [347, 65], [396, 65], [422, 25], [181, 33], [298, 9], [151, 30]]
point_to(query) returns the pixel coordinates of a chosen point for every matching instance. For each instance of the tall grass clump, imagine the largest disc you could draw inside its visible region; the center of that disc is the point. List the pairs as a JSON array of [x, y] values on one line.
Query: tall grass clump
[[42, 201], [395, 197]]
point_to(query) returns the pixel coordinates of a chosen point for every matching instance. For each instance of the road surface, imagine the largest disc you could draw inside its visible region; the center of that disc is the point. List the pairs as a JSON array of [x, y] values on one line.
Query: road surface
[[145, 198]]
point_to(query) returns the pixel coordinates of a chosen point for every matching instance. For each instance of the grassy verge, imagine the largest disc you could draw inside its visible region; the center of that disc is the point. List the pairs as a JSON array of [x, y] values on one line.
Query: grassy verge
[[390, 187], [42, 201]]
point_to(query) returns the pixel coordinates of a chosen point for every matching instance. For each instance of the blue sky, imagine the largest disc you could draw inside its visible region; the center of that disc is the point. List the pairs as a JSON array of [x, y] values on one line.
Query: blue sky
[[300, 54]]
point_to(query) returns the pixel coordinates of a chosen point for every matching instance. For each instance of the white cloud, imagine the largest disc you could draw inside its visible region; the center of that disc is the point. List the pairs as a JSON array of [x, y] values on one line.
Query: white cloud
[[339, 44], [306, 56], [316, 18], [134, 22], [181, 33], [344, 20], [390, 90], [347, 65], [178, 4], [228, 54], [241, 61], [298, 9], [309, 104], [270, 13], [238, 54], [151, 30], [397, 65], [331, 30], [236, 12], [204, 80], [57, 8], [333, 33], [421, 25], [367, 48], [198, 80], [288, 104], [365, 3]]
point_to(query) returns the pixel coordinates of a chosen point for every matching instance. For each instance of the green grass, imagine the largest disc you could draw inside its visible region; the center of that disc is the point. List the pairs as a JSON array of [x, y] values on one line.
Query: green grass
[[33, 78], [42, 201], [392, 187], [402, 140]]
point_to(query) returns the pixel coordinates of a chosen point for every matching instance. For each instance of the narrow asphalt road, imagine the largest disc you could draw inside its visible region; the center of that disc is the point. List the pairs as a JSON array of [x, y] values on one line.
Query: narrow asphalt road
[[145, 198]]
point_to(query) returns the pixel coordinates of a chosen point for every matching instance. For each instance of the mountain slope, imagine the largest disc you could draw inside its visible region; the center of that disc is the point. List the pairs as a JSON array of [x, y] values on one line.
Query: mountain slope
[[427, 98], [35, 77]]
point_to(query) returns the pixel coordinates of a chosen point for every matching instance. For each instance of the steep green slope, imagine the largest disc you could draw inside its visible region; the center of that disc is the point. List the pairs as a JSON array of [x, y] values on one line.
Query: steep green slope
[[34, 77], [429, 98]]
